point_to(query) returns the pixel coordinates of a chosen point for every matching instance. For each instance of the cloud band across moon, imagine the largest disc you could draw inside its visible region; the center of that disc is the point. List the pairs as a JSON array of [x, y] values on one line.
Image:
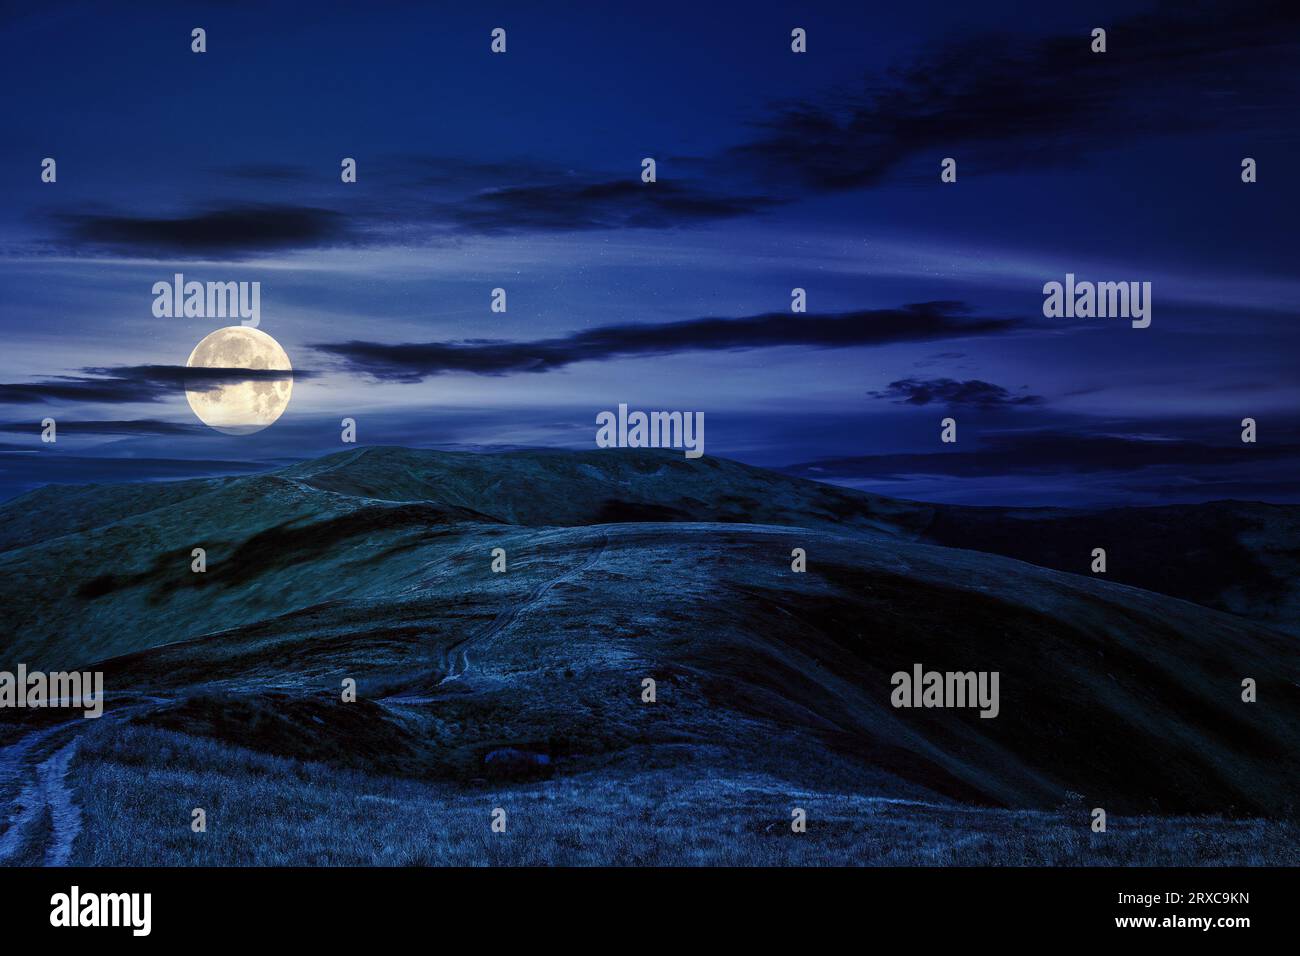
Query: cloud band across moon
[[125, 384], [413, 362]]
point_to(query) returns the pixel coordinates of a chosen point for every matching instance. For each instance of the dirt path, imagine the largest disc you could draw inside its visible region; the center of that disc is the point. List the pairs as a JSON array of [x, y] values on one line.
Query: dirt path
[[42, 800], [41, 819], [456, 657]]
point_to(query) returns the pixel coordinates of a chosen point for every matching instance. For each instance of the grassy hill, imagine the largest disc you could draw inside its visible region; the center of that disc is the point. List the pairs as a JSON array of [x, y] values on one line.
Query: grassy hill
[[524, 688], [88, 573]]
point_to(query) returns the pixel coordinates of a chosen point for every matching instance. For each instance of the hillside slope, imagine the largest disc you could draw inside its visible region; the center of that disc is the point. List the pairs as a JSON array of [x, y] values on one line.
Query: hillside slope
[[375, 565], [87, 573], [1128, 699]]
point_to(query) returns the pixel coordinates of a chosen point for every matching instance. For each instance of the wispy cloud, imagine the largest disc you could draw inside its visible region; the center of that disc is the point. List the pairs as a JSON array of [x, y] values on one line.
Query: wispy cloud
[[971, 393], [1000, 102], [1004, 102], [606, 204], [140, 426], [228, 230], [125, 384], [411, 362]]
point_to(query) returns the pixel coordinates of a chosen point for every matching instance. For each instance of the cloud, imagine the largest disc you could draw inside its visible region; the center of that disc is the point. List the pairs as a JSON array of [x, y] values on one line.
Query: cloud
[[411, 362], [530, 194], [223, 231], [73, 388], [536, 203], [125, 384], [1001, 103], [972, 393], [604, 204], [141, 426]]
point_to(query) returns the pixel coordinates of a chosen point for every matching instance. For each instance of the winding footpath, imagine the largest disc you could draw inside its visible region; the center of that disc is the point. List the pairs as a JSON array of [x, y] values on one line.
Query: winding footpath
[[456, 657], [41, 798], [40, 818]]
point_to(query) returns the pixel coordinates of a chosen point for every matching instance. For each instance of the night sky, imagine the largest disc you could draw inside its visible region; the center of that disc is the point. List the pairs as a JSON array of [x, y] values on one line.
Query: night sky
[[775, 170]]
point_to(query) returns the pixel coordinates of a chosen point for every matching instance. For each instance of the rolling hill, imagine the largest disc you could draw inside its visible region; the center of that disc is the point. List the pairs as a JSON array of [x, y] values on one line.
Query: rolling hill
[[524, 688]]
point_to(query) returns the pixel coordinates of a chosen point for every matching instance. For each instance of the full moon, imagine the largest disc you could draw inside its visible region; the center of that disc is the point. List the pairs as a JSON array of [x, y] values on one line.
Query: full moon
[[240, 407]]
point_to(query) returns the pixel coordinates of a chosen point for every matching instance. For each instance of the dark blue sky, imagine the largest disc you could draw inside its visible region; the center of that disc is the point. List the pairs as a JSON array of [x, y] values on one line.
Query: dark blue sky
[[775, 170]]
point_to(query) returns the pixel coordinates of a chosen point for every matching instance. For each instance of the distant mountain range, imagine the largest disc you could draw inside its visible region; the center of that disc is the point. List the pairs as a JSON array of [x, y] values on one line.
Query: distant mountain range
[[1120, 691]]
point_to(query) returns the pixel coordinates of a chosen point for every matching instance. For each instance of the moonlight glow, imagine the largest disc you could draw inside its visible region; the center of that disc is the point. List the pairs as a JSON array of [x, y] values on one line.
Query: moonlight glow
[[235, 407]]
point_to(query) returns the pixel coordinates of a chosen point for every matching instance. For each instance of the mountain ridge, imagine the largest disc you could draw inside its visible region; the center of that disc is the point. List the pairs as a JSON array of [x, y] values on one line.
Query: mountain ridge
[[1231, 556]]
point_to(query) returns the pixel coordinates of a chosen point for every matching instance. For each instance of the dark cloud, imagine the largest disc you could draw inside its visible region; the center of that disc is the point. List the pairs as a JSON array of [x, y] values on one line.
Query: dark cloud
[[998, 103], [972, 393], [134, 383], [75, 388], [141, 426], [524, 194], [608, 204], [184, 376], [226, 231], [1003, 103], [1047, 453], [537, 203], [411, 362]]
